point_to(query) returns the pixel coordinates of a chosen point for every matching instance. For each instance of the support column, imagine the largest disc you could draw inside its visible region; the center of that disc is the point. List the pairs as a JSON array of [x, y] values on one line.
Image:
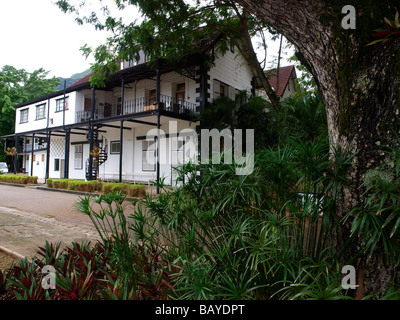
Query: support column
[[16, 156], [91, 133], [32, 149], [121, 137], [48, 156], [158, 94], [66, 153], [24, 156], [122, 96]]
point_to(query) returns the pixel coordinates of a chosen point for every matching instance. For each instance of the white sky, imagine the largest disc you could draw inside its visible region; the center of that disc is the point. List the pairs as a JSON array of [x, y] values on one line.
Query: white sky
[[37, 34]]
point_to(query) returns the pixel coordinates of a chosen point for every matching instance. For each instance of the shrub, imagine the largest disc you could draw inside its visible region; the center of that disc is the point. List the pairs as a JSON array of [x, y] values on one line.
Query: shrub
[[107, 187], [49, 183], [18, 179], [60, 183], [87, 272], [94, 185], [97, 186], [123, 187], [137, 191], [71, 185]]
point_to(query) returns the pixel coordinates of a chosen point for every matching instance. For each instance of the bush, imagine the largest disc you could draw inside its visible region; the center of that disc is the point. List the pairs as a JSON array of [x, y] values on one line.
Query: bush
[[32, 180], [107, 187], [18, 179], [94, 185], [97, 186], [137, 191], [87, 272], [60, 183], [115, 187]]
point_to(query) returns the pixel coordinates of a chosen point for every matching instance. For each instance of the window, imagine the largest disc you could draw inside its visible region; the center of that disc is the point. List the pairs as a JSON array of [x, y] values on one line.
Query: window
[[41, 111], [148, 155], [24, 115], [78, 161], [60, 104], [114, 147], [56, 164], [177, 149], [223, 90]]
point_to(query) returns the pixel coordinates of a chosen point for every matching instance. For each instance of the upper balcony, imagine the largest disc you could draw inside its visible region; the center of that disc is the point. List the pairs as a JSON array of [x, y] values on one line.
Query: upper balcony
[[143, 104]]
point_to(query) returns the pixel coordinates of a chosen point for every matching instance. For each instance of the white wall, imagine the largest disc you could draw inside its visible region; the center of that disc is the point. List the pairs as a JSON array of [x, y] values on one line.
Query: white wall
[[57, 118], [233, 70]]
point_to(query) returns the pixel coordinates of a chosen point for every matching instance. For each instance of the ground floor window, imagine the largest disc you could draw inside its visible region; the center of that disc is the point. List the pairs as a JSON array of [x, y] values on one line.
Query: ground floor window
[[114, 147], [78, 161], [148, 155], [177, 150], [56, 164]]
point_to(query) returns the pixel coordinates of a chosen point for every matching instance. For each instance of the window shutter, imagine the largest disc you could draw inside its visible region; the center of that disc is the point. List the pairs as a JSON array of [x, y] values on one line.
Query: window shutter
[[231, 93], [216, 89]]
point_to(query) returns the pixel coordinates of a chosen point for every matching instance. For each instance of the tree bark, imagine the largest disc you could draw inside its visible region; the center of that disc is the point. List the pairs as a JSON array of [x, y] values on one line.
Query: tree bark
[[249, 53], [360, 86]]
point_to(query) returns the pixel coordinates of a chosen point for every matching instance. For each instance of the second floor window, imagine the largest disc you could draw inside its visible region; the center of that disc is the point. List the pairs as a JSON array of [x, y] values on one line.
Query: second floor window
[[41, 111], [60, 104], [24, 115]]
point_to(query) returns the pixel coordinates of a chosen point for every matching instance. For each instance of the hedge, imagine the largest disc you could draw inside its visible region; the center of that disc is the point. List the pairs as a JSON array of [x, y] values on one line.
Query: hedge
[[132, 190], [18, 179]]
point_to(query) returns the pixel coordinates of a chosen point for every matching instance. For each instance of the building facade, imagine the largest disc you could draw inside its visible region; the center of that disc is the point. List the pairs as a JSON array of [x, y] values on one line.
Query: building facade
[[122, 131]]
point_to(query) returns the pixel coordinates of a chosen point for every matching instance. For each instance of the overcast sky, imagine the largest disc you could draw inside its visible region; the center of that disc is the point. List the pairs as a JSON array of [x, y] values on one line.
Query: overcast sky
[[37, 34]]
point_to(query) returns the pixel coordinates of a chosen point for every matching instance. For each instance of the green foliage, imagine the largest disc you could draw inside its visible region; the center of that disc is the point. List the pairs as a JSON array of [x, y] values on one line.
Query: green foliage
[[85, 272], [97, 186], [16, 86], [376, 221], [241, 113], [18, 179], [195, 26], [389, 34], [301, 117]]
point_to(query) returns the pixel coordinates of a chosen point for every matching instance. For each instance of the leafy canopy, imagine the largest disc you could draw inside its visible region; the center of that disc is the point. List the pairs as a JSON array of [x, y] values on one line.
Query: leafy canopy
[[16, 86], [168, 29]]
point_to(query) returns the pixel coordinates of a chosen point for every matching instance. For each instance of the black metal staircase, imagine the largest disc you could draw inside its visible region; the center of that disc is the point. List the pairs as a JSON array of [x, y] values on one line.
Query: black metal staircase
[[101, 146]]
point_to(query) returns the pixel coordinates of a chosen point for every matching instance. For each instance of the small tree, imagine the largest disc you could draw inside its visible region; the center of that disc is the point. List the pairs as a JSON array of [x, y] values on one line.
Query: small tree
[[12, 152]]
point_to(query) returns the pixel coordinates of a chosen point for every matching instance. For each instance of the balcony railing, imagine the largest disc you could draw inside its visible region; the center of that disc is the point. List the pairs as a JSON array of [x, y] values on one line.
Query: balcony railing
[[140, 105], [27, 147]]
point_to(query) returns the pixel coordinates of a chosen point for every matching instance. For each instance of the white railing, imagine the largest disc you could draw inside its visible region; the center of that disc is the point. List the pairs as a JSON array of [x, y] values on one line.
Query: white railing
[[142, 104]]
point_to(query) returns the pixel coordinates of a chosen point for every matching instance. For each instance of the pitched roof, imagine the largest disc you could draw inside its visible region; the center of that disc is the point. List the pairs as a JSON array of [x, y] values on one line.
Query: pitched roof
[[202, 45], [85, 79], [284, 77]]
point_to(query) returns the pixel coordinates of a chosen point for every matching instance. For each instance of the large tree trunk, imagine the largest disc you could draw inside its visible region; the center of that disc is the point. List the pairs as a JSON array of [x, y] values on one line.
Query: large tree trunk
[[360, 87]]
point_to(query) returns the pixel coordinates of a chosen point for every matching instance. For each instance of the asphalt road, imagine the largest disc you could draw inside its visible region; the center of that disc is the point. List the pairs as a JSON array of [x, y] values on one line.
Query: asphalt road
[[30, 216]]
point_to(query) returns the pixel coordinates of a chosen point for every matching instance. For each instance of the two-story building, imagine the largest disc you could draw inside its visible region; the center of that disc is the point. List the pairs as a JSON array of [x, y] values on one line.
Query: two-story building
[[84, 132]]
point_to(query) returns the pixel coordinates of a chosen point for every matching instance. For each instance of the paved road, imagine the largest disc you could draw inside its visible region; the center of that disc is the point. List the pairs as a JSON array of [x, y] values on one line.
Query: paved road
[[29, 217]]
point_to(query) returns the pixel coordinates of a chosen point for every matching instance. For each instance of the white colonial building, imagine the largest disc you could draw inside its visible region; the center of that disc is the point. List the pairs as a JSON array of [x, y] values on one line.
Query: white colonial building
[[55, 133]]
